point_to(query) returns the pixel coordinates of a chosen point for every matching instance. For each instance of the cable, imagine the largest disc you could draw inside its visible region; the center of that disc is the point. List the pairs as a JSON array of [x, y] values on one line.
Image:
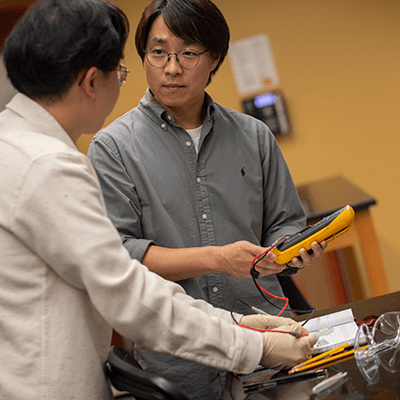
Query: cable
[[295, 334], [255, 274]]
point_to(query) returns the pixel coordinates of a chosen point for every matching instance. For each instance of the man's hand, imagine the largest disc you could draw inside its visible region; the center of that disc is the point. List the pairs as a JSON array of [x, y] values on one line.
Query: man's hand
[[236, 259], [283, 351], [307, 259], [271, 322]]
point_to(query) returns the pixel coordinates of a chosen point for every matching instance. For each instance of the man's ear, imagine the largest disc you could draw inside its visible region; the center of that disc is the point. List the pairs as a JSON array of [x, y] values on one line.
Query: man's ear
[[88, 82], [215, 63]]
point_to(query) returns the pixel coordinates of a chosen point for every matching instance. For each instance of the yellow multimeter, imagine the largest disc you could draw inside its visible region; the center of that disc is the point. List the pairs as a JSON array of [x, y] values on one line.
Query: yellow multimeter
[[327, 229]]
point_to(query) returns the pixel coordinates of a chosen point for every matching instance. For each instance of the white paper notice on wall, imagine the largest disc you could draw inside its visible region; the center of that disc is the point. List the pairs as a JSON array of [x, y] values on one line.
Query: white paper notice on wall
[[253, 64]]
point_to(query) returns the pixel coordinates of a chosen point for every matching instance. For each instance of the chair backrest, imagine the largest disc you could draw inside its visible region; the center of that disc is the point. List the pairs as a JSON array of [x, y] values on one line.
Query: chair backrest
[[126, 374]]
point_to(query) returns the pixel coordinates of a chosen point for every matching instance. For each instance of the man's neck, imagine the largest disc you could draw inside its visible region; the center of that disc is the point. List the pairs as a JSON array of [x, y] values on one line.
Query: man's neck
[[190, 119], [190, 116], [71, 112]]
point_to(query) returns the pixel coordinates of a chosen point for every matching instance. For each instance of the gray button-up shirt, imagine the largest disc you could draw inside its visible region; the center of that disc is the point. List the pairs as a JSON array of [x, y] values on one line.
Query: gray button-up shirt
[[157, 188]]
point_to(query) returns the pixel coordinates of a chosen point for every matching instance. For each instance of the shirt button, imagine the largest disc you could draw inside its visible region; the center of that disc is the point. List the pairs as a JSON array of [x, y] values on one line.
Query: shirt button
[[163, 126], [169, 117], [198, 180], [204, 216], [215, 289], [188, 144]]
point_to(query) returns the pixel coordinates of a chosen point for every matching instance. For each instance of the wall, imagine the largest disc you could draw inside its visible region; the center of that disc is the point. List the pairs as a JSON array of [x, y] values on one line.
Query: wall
[[7, 90], [10, 12]]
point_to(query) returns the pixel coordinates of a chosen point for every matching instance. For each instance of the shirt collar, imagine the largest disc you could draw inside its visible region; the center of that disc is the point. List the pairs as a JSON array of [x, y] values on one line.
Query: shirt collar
[[36, 114], [150, 103]]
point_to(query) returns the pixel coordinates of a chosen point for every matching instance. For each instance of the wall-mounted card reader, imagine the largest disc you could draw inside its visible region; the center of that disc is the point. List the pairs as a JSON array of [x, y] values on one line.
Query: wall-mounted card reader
[[270, 108]]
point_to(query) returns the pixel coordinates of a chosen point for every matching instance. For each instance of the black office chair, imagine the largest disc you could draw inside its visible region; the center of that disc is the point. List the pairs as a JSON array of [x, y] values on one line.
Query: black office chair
[[126, 374]]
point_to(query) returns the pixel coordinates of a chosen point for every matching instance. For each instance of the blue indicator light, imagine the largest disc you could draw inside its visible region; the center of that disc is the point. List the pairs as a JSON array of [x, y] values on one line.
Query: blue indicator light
[[265, 100]]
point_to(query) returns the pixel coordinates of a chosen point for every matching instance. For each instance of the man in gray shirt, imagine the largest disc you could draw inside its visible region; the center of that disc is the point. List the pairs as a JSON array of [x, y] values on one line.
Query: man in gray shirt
[[196, 190]]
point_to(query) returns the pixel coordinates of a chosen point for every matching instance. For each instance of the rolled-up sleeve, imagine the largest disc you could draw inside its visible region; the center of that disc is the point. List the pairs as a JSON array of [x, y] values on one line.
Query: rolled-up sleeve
[[120, 196]]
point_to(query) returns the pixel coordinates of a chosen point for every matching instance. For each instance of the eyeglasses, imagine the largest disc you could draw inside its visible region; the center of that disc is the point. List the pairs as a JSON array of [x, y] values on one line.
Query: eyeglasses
[[122, 74], [187, 58], [380, 346]]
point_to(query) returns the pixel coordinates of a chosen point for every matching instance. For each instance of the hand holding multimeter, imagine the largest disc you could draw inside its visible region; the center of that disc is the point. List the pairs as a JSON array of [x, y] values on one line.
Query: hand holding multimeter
[[327, 229], [286, 248]]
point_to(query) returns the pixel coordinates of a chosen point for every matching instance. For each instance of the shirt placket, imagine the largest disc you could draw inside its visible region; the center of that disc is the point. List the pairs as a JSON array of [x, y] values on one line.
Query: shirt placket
[[206, 227], [207, 234]]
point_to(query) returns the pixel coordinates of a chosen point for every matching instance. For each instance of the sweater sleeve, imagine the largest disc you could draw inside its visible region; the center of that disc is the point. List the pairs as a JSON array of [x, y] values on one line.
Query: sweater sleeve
[[60, 215]]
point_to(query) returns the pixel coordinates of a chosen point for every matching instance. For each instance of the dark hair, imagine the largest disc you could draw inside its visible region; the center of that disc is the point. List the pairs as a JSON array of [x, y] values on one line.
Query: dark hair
[[56, 40], [197, 21]]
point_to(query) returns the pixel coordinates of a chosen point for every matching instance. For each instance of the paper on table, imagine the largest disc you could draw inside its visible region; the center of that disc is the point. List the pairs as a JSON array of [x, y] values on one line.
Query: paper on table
[[333, 330]]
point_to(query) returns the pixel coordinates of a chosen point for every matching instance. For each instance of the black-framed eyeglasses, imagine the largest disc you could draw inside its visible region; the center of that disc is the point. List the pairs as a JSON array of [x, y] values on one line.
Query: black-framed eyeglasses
[[187, 58], [122, 74]]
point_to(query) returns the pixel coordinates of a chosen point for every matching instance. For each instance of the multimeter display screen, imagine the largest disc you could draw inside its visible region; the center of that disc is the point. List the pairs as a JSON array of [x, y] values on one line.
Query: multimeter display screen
[[327, 229], [308, 231]]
